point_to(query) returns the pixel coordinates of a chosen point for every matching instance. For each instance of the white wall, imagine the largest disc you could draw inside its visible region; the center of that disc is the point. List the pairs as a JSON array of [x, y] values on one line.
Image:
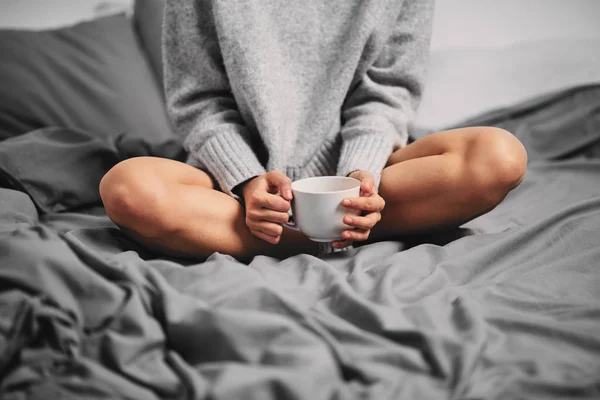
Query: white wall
[[457, 22], [40, 14], [467, 23]]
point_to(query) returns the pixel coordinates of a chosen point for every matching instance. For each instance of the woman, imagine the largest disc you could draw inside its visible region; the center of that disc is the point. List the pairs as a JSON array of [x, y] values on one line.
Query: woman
[[267, 92]]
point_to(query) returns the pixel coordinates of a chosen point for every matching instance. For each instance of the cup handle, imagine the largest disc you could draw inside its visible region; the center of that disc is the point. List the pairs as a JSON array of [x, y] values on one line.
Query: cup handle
[[291, 224]]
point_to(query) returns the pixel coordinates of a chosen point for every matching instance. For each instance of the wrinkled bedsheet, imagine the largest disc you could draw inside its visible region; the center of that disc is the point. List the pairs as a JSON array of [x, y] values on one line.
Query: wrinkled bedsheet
[[507, 306]]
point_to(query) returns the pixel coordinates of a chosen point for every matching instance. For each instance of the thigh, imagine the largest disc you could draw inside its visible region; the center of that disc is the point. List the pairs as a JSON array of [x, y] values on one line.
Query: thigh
[[162, 170], [174, 207], [437, 143], [449, 177], [477, 143], [139, 191]]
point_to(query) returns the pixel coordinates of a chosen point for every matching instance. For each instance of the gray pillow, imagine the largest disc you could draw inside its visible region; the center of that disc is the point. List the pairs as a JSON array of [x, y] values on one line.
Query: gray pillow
[[91, 76], [60, 168], [148, 17]]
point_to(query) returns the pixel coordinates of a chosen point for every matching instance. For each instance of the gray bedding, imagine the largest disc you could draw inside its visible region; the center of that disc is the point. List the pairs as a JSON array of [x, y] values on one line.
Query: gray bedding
[[506, 307]]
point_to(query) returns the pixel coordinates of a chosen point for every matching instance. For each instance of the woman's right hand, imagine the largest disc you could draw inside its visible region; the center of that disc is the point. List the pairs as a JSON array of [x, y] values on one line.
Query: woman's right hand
[[265, 209]]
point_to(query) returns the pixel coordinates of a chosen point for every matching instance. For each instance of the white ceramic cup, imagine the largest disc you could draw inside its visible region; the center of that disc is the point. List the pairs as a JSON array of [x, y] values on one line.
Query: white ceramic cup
[[317, 206]]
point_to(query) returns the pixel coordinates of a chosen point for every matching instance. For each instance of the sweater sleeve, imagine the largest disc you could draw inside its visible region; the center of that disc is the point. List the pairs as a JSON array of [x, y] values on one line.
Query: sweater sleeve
[[200, 104], [377, 111]]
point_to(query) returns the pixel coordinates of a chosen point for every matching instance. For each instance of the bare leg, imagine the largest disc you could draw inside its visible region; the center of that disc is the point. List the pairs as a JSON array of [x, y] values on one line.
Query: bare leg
[[448, 178], [174, 206]]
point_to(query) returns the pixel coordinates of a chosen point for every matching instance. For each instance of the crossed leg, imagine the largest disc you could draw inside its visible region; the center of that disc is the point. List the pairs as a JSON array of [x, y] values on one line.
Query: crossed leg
[[437, 182], [175, 207], [448, 178]]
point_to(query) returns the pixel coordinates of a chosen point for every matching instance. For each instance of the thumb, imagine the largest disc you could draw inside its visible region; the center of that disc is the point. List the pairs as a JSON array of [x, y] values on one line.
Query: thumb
[[367, 183], [279, 180]]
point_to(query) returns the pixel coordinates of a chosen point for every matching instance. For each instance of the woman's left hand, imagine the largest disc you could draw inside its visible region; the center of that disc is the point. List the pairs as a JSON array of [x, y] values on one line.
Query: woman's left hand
[[369, 203]]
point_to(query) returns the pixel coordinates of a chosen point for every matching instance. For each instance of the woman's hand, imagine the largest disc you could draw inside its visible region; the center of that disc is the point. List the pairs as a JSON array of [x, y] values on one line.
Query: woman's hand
[[265, 209], [371, 205]]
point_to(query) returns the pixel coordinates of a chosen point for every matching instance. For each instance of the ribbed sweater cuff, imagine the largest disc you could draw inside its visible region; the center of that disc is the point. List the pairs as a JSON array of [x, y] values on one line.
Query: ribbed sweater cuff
[[367, 151], [230, 160]]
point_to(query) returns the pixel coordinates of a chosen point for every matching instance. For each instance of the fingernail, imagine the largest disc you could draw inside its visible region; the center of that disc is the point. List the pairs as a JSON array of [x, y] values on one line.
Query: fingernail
[[348, 220], [346, 202], [346, 235], [288, 193]]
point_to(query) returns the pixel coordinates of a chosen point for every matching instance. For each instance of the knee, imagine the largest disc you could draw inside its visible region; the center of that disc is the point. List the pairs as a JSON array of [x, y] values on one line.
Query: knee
[[133, 198], [498, 162]]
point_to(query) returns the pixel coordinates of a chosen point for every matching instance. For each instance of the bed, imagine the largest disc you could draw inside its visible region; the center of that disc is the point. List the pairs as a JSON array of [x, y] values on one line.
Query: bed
[[505, 307]]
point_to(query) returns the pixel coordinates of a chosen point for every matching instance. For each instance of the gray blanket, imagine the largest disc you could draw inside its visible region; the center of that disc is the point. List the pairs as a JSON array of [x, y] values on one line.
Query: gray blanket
[[508, 306]]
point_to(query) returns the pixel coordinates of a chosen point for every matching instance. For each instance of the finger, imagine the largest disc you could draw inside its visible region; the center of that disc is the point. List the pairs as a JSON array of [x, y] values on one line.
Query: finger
[[340, 244], [372, 203], [366, 222], [266, 238], [356, 235], [278, 181], [271, 202], [268, 228], [263, 214], [367, 185]]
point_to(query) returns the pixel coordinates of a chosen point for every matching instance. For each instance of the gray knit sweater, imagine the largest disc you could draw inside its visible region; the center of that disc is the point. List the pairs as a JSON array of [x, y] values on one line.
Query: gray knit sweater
[[297, 86]]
